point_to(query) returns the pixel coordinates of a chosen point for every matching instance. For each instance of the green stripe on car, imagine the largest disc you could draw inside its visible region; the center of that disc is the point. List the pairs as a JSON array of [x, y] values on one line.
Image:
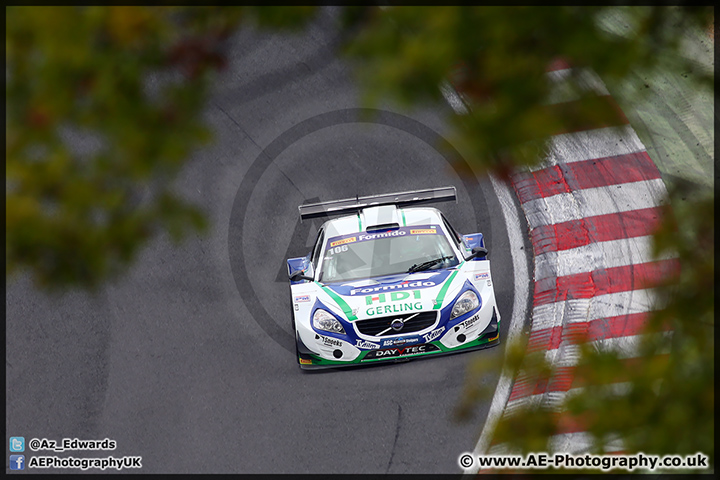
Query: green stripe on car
[[341, 303], [443, 290]]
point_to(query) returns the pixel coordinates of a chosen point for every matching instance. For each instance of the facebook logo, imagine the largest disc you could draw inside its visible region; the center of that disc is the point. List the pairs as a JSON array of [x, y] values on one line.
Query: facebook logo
[[17, 462], [17, 444]]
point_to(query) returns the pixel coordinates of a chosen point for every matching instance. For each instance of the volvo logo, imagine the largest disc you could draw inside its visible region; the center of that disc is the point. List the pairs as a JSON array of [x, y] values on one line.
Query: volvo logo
[[397, 324]]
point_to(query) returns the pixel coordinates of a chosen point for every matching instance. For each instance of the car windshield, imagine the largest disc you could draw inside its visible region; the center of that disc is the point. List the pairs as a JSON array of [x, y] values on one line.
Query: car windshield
[[388, 252]]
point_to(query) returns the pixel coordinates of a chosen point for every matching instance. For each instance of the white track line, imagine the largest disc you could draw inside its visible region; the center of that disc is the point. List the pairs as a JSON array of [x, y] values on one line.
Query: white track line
[[590, 145], [567, 354], [562, 91], [596, 255], [573, 443], [579, 442], [589, 202], [555, 400], [511, 216], [587, 309], [453, 98], [581, 203]]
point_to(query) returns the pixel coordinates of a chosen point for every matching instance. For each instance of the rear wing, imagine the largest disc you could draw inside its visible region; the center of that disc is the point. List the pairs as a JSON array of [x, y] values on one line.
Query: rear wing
[[349, 205]]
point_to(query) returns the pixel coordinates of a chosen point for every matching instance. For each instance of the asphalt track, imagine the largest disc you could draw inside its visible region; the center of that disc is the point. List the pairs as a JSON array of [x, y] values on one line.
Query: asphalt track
[[186, 360]]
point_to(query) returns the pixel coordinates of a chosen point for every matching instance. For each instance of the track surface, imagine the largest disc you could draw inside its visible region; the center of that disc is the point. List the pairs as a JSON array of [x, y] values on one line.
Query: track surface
[[186, 360]]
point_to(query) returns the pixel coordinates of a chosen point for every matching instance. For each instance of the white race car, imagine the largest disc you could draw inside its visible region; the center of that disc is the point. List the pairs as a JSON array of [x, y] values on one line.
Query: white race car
[[390, 282]]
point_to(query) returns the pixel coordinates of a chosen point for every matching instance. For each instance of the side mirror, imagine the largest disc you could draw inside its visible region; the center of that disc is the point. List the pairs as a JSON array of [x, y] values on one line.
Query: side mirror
[[298, 275], [475, 244], [297, 268]]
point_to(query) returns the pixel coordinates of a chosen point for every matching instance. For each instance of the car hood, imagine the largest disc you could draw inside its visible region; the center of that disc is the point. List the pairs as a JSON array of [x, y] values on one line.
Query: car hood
[[392, 294]]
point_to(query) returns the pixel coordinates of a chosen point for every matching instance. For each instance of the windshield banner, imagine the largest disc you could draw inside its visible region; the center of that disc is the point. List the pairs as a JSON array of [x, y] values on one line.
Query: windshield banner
[[398, 232]]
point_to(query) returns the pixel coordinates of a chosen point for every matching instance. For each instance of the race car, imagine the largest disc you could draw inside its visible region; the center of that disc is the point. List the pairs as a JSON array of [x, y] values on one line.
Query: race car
[[390, 280]]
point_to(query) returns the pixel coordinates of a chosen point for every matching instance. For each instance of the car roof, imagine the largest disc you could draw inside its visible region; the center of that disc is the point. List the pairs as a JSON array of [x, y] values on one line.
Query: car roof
[[383, 215]]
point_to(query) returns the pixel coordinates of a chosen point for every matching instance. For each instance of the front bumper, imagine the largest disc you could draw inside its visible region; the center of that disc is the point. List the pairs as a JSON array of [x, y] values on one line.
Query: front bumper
[[489, 337]]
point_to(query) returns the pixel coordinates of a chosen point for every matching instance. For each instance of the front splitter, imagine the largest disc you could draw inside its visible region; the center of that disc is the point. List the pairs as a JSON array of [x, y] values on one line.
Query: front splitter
[[319, 363]]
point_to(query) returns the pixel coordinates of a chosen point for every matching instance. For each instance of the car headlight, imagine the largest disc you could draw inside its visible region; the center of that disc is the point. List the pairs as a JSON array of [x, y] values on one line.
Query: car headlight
[[467, 302], [323, 320]]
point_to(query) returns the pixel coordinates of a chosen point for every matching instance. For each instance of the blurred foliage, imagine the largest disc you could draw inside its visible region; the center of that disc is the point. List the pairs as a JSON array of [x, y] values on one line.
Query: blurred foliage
[[497, 58], [103, 108], [661, 401]]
